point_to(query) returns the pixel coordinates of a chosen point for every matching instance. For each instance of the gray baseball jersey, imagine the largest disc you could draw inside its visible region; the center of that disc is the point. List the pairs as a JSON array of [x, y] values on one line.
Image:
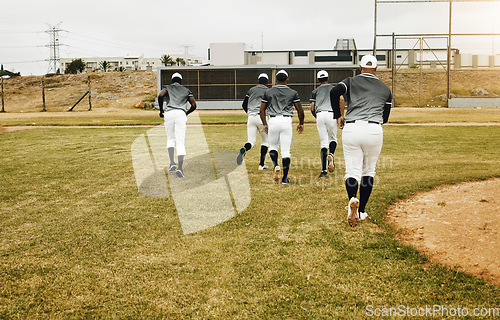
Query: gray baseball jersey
[[367, 97], [255, 95], [177, 97], [321, 97], [280, 100]]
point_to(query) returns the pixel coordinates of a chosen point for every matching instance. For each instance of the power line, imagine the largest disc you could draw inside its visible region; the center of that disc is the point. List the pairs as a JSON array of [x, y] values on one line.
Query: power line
[[54, 44]]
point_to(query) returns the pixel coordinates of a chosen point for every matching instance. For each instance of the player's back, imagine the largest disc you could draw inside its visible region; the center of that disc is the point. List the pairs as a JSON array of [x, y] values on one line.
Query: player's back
[[255, 95], [366, 98], [280, 99], [177, 97], [321, 97]]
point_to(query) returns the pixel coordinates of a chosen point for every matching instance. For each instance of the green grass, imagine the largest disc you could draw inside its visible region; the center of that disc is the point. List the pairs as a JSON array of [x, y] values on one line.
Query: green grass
[[102, 117], [79, 241]]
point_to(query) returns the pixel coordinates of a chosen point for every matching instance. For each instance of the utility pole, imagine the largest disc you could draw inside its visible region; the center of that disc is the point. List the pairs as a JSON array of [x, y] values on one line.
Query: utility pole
[[53, 46], [375, 31], [3, 109]]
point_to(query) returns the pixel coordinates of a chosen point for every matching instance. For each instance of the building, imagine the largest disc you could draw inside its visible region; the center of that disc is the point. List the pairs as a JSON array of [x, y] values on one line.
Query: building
[[129, 62], [346, 53]]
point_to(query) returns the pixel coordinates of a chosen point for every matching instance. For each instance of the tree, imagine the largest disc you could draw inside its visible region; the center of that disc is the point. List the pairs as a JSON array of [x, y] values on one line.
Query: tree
[[167, 60], [104, 65], [75, 66], [180, 61]]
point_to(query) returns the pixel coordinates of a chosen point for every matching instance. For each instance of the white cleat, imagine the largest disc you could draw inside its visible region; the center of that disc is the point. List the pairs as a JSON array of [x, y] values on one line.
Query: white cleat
[[363, 215], [264, 167], [331, 164], [352, 212]]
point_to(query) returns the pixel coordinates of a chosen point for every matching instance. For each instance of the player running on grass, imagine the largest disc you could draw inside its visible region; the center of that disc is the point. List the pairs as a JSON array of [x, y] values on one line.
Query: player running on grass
[[176, 101], [369, 102], [251, 105], [321, 109], [278, 103]]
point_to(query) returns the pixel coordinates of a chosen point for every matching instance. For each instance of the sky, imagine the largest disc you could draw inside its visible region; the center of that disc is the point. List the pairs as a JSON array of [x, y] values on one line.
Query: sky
[[101, 28]]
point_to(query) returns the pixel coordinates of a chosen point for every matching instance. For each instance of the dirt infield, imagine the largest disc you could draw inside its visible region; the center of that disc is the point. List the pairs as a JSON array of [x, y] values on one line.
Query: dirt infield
[[457, 226]]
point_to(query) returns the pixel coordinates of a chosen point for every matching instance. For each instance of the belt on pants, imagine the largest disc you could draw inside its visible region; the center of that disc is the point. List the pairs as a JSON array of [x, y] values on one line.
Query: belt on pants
[[369, 121], [279, 115]]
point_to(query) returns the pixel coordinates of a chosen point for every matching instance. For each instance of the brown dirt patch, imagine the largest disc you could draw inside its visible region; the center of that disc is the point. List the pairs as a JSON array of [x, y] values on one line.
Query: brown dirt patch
[[457, 226]]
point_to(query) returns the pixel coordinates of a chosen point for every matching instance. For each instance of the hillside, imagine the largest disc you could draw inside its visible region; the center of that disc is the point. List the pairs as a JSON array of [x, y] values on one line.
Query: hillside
[[115, 91]]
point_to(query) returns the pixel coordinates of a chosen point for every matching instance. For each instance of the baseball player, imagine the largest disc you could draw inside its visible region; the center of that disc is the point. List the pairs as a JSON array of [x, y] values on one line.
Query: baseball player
[[278, 103], [321, 109], [176, 98], [251, 105], [368, 106]]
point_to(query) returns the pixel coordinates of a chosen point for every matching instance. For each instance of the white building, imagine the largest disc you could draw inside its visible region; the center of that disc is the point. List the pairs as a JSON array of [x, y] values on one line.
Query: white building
[[345, 53], [130, 62]]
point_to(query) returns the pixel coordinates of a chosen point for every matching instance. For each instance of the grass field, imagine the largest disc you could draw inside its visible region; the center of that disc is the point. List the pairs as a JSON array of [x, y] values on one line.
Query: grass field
[[79, 241], [120, 117]]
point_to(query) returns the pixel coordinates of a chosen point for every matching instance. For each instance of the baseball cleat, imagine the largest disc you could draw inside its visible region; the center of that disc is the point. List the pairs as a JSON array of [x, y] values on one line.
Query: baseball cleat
[[180, 173], [331, 164], [323, 174], [363, 215], [172, 168], [277, 170], [239, 159], [264, 167], [285, 181], [352, 212]]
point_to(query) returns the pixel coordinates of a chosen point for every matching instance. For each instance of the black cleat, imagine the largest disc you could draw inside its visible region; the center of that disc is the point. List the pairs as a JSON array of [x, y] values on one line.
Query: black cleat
[[323, 174], [180, 173], [239, 159], [285, 181], [172, 168]]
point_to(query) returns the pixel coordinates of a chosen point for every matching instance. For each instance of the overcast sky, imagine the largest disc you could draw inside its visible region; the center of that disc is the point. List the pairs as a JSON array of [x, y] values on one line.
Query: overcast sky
[[153, 27]]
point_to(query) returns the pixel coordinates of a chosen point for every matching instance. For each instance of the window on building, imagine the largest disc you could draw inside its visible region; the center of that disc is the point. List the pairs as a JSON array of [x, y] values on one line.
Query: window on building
[[300, 53]]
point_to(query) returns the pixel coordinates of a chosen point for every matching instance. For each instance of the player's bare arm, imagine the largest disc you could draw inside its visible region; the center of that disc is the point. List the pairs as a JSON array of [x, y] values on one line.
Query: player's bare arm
[[262, 113], [341, 120], [161, 95], [313, 111], [193, 105], [300, 113]]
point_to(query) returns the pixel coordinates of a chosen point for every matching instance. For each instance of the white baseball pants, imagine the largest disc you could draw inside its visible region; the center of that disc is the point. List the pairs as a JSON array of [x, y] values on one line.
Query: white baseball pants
[[280, 134], [327, 128], [362, 142], [254, 124], [175, 126]]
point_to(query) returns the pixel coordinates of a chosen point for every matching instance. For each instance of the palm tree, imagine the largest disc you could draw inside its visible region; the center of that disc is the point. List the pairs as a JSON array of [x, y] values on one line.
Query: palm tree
[[167, 60], [104, 65], [180, 61]]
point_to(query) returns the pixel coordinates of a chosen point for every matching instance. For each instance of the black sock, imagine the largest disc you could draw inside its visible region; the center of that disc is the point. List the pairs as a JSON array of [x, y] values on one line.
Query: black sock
[[171, 155], [365, 189], [333, 146], [274, 157], [286, 166], [324, 153], [263, 152], [181, 160], [248, 146], [351, 185]]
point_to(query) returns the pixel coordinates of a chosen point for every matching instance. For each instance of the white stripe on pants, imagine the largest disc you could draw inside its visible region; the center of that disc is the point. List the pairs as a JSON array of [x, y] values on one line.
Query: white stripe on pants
[[362, 142], [327, 128], [254, 124], [280, 133], [175, 126]]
